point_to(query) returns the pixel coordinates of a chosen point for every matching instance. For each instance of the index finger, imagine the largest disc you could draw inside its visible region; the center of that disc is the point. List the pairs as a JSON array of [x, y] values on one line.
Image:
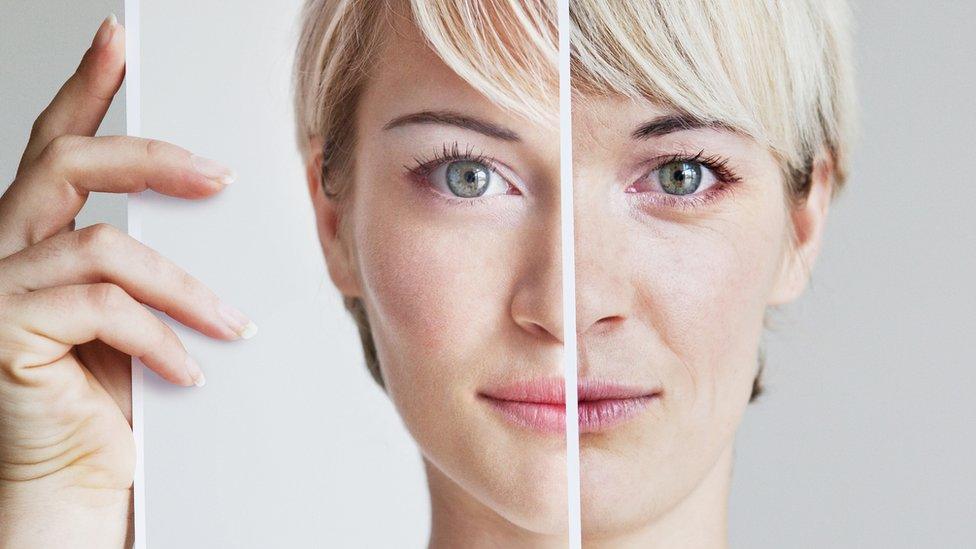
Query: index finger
[[80, 105]]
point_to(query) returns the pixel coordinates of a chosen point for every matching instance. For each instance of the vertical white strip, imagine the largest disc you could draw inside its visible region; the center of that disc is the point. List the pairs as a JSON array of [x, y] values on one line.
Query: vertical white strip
[[133, 127], [568, 279]]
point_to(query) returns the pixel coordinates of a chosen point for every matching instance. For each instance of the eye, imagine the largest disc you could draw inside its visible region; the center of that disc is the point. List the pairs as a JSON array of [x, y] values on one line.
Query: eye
[[678, 177], [467, 179]]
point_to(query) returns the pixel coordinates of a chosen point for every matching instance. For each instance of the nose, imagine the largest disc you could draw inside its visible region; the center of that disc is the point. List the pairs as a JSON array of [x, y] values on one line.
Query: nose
[[537, 300], [603, 290]]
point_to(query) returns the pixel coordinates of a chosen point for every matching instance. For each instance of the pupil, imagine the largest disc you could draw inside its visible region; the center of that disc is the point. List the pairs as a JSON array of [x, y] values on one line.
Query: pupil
[[467, 179], [680, 177]]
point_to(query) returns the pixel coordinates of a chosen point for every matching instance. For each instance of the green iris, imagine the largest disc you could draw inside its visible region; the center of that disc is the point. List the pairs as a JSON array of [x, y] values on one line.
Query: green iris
[[680, 177], [468, 179]]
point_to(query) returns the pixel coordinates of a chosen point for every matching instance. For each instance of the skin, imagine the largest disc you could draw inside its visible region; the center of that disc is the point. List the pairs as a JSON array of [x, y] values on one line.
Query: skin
[[675, 299], [459, 294], [73, 310]]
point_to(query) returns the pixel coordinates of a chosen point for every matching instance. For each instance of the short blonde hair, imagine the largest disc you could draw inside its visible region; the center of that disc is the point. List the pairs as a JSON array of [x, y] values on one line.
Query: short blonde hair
[[506, 49], [779, 71]]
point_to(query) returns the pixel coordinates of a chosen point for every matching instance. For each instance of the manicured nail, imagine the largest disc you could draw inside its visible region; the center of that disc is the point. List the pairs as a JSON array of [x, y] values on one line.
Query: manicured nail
[[105, 31], [237, 321], [195, 372], [212, 169]]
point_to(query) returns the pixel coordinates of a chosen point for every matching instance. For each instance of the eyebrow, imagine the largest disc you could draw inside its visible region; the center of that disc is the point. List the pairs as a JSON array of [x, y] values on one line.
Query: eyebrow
[[452, 118], [664, 125]]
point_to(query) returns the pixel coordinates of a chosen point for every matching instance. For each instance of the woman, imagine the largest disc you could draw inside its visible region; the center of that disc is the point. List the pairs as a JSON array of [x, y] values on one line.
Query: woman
[[437, 201], [709, 137], [434, 176], [686, 164]]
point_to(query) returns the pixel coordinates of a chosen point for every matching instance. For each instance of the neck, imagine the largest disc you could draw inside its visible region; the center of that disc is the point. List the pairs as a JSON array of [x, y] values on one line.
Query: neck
[[699, 521], [460, 520]]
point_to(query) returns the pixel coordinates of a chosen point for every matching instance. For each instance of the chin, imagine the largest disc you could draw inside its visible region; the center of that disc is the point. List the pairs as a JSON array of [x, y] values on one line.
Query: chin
[[615, 495], [527, 484], [539, 508]]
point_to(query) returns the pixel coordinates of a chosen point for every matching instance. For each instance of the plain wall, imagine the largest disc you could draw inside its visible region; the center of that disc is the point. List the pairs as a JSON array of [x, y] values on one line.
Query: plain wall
[[865, 437]]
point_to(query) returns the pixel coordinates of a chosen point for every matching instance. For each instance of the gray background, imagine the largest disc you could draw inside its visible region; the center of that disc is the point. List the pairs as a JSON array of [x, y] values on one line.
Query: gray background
[[40, 46], [865, 435]]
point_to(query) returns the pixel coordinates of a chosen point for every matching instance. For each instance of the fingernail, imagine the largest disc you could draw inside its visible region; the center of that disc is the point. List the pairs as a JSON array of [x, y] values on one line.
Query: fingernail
[[237, 321], [212, 169], [195, 372], [105, 30]]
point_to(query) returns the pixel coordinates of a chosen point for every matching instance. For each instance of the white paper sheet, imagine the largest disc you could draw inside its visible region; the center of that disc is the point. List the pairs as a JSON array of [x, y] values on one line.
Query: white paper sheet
[[289, 443]]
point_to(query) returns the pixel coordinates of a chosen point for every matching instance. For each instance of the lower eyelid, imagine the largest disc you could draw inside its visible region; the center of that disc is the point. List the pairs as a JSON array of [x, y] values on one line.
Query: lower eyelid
[[423, 185], [683, 203]]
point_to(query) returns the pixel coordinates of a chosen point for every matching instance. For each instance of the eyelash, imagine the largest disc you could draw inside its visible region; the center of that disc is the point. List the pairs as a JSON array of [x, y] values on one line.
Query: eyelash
[[725, 176], [423, 166], [449, 153]]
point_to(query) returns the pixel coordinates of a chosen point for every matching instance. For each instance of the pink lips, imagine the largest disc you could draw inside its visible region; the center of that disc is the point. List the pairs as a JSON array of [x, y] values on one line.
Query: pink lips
[[541, 404]]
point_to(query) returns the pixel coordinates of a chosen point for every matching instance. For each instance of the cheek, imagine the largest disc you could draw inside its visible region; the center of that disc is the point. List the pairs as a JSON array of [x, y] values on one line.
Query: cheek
[[705, 294], [435, 289]]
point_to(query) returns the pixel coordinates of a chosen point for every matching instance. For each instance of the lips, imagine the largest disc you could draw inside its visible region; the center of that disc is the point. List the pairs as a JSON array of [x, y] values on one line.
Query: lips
[[540, 404]]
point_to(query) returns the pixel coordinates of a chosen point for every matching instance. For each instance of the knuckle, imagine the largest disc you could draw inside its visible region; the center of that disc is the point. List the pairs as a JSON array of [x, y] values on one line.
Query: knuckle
[[165, 339], [60, 149], [155, 148], [154, 261], [96, 240], [188, 284], [39, 123], [106, 296]]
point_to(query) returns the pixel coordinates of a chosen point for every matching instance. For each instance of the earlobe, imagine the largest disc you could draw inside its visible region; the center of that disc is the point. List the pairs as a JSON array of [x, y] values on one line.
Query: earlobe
[[337, 257], [808, 218]]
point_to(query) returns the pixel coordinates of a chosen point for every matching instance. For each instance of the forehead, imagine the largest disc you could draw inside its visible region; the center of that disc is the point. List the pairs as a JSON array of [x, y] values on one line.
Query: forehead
[[408, 77]]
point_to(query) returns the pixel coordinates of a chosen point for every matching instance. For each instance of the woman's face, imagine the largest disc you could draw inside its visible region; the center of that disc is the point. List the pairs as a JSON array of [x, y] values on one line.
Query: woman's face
[[681, 232], [454, 249], [453, 245]]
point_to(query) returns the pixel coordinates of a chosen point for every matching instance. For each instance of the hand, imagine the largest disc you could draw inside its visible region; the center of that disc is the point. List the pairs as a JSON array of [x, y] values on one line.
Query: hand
[[73, 308]]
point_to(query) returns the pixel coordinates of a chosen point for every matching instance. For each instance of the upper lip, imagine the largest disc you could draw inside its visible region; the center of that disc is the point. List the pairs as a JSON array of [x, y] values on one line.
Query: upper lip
[[552, 390]]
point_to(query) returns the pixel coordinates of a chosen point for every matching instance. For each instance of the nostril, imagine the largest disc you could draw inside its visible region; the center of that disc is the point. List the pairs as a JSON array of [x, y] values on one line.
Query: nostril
[[605, 324], [539, 331]]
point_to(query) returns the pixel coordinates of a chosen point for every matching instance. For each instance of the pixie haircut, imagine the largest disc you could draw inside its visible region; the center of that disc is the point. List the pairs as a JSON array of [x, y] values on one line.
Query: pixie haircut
[[777, 71], [506, 49]]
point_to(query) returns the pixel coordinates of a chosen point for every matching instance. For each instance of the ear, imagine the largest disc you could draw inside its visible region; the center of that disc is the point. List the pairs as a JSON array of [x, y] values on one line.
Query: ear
[[808, 219], [337, 256]]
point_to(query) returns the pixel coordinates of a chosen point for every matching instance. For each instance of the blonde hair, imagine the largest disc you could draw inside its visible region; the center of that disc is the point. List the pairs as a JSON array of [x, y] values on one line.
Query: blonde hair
[[776, 70], [507, 49], [779, 71]]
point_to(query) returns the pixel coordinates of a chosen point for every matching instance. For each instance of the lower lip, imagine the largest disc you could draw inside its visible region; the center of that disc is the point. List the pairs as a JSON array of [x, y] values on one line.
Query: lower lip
[[550, 417], [601, 415]]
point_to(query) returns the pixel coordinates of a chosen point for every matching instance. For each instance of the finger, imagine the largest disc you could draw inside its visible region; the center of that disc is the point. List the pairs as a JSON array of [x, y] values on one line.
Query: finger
[[80, 105], [102, 253], [51, 192], [45, 324]]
